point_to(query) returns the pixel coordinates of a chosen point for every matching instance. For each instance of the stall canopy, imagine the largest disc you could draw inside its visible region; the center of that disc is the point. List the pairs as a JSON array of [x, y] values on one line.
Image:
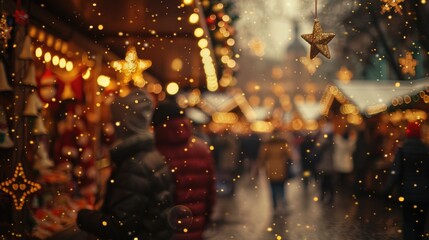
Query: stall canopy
[[160, 30], [372, 97]]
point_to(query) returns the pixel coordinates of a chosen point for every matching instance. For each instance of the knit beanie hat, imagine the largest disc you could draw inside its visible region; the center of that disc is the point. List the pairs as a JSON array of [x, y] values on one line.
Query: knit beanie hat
[[131, 114], [413, 130], [165, 111]]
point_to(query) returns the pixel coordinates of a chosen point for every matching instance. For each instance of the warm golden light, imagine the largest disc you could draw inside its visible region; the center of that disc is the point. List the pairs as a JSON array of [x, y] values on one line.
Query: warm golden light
[[86, 74], [48, 57], [55, 60], [69, 66], [176, 64], [172, 88], [203, 43], [194, 18], [198, 32], [103, 81], [62, 63], [39, 52], [188, 2]]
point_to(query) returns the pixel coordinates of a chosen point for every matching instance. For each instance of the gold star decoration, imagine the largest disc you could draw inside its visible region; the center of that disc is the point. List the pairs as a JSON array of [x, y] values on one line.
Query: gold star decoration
[[311, 64], [5, 30], [391, 4], [19, 187], [132, 67], [408, 64], [318, 41]]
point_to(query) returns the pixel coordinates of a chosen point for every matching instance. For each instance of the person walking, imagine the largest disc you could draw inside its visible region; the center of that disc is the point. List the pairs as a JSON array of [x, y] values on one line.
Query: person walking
[[139, 192], [410, 173], [324, 152], [275, 158], [191, 163]]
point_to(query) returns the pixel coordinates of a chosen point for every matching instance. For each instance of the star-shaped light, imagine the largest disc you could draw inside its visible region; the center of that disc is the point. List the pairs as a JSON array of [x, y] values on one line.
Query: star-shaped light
[[391, 4], [318, 40], [19, 187], [408, 64], [132, 67], [5, 30], [311, 64]]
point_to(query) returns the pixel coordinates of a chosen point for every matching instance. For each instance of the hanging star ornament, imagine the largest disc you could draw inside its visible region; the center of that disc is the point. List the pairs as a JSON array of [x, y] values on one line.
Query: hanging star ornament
[[408, 64], [318, 41], [19, 187], [132, 67], [391, 4]]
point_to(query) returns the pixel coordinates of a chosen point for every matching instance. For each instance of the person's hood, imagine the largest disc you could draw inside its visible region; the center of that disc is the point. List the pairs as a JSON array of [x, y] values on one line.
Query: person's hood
[[131, 114]]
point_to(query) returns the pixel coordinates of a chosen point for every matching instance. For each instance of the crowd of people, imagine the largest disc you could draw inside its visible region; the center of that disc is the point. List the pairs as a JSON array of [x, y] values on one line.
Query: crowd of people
[[165, 180]]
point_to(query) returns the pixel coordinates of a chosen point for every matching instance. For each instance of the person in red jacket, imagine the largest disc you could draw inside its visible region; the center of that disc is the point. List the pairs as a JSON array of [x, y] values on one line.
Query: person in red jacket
[[191, 163]]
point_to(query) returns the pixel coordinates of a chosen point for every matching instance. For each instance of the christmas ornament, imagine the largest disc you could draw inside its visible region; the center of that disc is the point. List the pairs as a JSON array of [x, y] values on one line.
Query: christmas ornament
[[4, 84], [21, 17], [33, 106], [47, 86], [26, 53], [19, 187], [408, 64], [39, 127], [318, 39], [41, 159], [5, 141], [391, 4], [132, 67], [30, 78]]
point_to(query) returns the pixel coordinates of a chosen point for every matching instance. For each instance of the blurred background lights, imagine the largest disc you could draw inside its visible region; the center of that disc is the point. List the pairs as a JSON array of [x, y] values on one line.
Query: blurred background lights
[[48, 57], [55, 60], [39, 52], [176, 64], [188, 2], [198, 32], [172, 88], [62, 63], [194, 18], [103, 81]]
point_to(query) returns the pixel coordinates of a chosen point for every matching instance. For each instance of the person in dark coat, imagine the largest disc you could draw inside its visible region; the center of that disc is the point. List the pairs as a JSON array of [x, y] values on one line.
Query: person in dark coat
[[191, 163], [410, 173], [139, 193]]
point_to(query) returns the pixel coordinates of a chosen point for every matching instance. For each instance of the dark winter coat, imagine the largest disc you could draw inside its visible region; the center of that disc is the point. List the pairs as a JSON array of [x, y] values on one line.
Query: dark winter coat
[[410, 171], [138, 195], [192, 166]]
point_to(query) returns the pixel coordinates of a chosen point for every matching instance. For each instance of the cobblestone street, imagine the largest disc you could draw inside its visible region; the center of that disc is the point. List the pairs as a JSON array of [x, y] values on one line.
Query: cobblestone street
[[248, 215]]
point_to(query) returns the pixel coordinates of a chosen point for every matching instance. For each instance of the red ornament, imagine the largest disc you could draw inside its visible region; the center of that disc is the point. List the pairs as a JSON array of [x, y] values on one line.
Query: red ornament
[[21, 17]]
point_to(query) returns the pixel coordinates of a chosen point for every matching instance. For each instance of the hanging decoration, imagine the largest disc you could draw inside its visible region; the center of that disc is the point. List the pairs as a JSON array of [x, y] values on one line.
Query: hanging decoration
[[30, 77], [19, 187], [391, 4], [5, 31], [318, 39], [26, 53], [5, 141], [41, 159], [21, 17], [132, 67], [4, 83], [408, 64], [33, 105], [47, 86]]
